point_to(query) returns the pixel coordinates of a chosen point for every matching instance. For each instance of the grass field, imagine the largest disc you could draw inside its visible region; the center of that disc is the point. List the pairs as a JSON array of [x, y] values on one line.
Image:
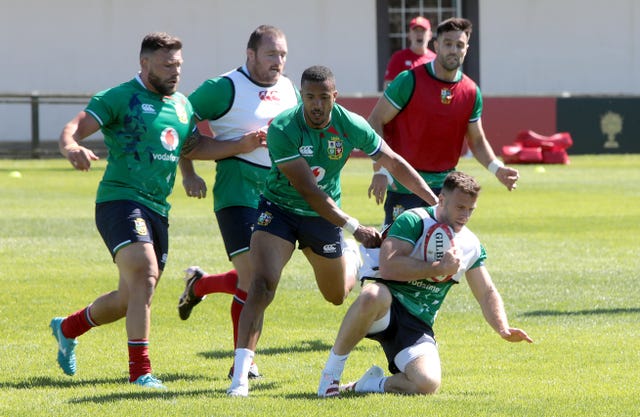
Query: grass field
[[563, 250]]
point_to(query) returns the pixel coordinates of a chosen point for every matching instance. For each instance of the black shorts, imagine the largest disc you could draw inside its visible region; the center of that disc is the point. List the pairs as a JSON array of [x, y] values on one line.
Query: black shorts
[[396, 203], [323, 237], [123, 222], [404, 330], [236, 225]]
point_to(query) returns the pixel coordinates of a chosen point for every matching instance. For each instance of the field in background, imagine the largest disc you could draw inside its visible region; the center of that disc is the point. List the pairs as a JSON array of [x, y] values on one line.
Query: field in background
[[563, 251]]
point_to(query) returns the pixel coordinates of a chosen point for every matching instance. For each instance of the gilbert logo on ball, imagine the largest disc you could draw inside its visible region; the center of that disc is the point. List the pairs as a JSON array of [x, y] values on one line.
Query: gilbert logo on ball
[[439, 239]]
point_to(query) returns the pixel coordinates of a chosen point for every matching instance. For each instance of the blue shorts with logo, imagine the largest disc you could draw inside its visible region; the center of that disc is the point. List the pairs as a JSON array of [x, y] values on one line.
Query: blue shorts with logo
[[323, 237], [236, 225], [123, 222]]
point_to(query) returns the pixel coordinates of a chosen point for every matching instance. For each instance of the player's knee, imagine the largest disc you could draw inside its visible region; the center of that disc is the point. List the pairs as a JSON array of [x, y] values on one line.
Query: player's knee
[[336, 295], [421, 365], [366, 301], [143, 285], [262, 292], [428, 385], [336, 298], [372, 298]]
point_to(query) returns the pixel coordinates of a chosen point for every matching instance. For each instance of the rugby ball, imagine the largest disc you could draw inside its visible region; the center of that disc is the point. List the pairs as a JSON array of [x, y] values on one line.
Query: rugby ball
[[439, 239]]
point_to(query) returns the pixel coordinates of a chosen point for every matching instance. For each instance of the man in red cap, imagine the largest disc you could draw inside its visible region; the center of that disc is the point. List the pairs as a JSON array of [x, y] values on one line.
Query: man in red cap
[[416, 54]]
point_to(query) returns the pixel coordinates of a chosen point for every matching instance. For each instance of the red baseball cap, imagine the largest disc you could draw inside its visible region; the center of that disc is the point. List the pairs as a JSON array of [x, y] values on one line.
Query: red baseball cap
[[421, 22]]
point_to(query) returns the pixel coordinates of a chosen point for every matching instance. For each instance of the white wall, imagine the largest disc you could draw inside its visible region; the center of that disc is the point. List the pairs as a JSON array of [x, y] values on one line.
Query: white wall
[[550, 47], [528, 47], [85, 46]]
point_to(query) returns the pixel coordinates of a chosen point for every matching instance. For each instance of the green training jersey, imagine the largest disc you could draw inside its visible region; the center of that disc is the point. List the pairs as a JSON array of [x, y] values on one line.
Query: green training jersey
[[423, 297], [144, 132], [235, 104], [325, 150]]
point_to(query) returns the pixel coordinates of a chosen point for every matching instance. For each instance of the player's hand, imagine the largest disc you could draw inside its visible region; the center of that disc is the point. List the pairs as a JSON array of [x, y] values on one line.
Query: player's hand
[[378, 187], [81, 157], [194, 186], [369, 236], [508, 176], [515, 335], [450, 262], [252, 140]]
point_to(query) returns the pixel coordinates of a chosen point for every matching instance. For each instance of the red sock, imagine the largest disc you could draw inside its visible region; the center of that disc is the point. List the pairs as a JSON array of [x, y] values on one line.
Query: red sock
[[236, 308], [139, 362], [209, 284], [77, 324]]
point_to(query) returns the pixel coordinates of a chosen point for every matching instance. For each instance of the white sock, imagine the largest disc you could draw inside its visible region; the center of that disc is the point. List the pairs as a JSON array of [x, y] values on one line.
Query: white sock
[[335, 364], [372, 385], [241, 365]]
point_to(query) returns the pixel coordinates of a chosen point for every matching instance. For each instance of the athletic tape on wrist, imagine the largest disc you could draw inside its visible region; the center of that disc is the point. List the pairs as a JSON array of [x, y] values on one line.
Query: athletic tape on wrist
[[385, 172], [494, 166], [351, 225]]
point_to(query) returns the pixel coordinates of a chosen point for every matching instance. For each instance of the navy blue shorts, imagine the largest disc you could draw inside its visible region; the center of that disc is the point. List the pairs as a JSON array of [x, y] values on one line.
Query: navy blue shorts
[[314, 232], [404, 330], [123, 222], [236, 225], [396, 203]]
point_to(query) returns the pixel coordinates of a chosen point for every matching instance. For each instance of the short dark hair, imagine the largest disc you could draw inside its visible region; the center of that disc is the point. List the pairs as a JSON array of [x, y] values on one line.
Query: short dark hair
[[455, 24], [464, 182], [159, 40], [317, 74], [260, 32]]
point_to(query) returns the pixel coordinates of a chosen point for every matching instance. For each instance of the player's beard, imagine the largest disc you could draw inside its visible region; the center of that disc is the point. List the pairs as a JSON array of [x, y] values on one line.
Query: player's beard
[[451, 65], [317, 118], [268, 76], [165, 87]]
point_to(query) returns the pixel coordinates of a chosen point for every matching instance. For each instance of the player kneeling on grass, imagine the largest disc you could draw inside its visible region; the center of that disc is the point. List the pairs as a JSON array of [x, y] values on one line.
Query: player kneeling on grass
[[426, 252]]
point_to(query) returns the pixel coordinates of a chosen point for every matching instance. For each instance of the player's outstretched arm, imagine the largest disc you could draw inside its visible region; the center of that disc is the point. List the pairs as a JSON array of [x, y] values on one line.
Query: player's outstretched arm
[[202, 147], [492, 306], [405, 174], [302, 179]]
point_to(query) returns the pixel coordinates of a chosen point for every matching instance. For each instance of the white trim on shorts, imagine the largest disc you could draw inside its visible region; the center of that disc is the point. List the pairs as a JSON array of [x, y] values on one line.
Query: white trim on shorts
[[411, 353], [381, 324]]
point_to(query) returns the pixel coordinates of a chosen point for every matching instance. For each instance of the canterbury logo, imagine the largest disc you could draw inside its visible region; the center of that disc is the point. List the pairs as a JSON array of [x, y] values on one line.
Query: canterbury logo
[[271, 95], [148, 108], [329, 248], [306, 150]]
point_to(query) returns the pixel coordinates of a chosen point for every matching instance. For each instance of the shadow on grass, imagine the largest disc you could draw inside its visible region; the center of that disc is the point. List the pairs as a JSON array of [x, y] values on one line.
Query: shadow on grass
[[305, 346], [596, 311], [145, 394], [50, 382], [313, 396], [61, 382]]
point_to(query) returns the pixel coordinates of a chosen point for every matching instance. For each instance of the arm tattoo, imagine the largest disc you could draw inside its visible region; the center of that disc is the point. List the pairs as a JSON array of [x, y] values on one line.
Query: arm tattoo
[[190, 143]]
